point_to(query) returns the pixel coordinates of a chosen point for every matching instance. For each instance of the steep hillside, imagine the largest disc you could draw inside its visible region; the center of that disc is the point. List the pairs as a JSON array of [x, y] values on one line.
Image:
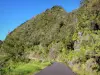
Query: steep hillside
[[54, 26], [72, 38], [86, 54]]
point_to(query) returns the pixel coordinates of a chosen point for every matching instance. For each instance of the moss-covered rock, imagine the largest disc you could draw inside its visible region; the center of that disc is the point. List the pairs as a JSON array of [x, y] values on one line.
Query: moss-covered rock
[[91, 65]]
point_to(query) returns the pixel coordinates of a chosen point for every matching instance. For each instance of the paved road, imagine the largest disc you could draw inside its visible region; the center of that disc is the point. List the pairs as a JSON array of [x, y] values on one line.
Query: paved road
[[56, 69]]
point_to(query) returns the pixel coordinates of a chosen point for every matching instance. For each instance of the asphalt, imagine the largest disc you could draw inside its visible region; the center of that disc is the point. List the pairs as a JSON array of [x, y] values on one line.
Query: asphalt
[[56, 69]]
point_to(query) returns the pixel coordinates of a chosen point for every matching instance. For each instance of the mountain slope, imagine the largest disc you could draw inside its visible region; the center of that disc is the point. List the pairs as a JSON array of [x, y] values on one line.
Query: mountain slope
[[53, 25], [56, 35]]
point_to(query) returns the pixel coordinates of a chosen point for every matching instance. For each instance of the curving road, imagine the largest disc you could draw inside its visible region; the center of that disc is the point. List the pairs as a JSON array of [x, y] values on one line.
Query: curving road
[[56, 69]]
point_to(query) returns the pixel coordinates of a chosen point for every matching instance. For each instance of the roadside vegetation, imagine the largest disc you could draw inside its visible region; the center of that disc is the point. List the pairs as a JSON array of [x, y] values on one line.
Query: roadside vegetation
[[55, 35], [24, 68]]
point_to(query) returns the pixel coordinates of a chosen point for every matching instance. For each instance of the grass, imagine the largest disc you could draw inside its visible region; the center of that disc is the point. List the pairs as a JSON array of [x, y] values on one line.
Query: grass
[[26, 68]]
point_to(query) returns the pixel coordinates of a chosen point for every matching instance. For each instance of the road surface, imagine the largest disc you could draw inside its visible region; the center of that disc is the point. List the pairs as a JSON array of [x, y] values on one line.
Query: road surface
[[56, 69]]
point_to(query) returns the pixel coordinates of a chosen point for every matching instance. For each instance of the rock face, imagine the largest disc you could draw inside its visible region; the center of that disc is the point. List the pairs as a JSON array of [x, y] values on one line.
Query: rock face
[[54, 50], [77, 43], [74, 62]]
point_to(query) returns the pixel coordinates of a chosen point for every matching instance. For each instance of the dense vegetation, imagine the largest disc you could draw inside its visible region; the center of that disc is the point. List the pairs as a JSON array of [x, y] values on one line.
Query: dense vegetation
[[55, 35], [0, 43]]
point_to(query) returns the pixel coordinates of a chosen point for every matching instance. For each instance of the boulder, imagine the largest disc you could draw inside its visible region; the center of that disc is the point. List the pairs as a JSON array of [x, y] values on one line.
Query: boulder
[[91, 65]]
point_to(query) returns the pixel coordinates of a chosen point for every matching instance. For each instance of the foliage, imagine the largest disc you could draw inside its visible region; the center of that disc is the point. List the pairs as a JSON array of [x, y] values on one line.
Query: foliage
[[24, 68], [59, 36]]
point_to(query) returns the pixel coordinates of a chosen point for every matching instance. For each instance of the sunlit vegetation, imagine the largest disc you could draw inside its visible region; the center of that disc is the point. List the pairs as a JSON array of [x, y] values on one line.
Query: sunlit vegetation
[[55, 35], [22, 68]]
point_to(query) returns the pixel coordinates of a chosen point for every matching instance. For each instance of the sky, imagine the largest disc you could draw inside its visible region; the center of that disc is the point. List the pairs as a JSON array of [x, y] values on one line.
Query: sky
[[15, 12]]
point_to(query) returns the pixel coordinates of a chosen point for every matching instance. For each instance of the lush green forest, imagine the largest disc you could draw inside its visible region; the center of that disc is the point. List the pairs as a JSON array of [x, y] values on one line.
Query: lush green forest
[[55, 35]]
